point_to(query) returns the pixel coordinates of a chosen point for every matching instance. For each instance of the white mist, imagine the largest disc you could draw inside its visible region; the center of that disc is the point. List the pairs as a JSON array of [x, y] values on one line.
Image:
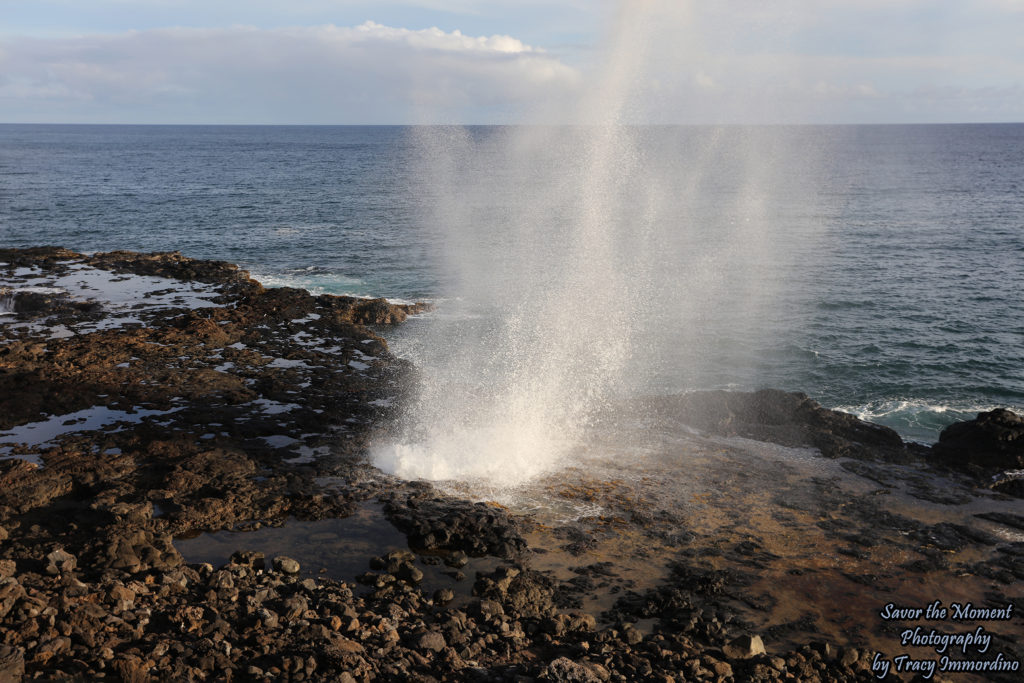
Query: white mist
[[582, 262]]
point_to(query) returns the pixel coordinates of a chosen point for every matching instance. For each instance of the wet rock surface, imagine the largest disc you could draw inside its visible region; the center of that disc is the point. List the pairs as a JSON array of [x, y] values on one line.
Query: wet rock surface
[[126, 425], [992, 441], [988, 446]]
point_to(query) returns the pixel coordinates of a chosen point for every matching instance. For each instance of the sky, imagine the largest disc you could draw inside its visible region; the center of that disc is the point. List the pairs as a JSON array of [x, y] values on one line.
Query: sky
[[511, 61]]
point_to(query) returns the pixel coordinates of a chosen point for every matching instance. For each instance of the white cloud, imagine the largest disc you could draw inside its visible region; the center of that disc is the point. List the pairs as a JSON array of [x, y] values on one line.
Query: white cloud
[[324, 74], [672, 61]]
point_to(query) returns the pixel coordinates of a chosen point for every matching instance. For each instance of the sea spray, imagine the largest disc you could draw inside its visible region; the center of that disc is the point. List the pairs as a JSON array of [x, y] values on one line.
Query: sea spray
[[581, 261]]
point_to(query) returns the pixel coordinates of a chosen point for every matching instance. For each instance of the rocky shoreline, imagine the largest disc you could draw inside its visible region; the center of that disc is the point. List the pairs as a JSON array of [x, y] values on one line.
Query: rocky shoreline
[[149, 398]]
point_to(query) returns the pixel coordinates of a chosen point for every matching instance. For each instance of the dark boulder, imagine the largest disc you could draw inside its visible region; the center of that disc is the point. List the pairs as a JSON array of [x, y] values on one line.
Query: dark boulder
[[789, 419], [436, 523], [992, 441], [522, 593]]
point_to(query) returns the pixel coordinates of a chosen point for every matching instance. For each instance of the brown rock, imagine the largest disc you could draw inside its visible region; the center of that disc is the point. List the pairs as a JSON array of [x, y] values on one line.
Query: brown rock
[[12, 664], [60, 562], [744, 647], [565, 670], [432, 641]]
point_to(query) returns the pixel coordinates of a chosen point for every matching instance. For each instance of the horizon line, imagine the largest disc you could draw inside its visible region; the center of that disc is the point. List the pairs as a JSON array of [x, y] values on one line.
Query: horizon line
[[496, 125]]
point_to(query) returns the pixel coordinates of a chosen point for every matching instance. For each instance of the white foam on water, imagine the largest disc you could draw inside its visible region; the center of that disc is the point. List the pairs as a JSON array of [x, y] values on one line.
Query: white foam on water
[[470, 455], [37, 290], [917, 419], [313, 282]]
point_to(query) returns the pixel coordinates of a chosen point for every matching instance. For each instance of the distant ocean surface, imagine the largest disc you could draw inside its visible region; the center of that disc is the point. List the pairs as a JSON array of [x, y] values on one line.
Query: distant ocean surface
[[903, 296]]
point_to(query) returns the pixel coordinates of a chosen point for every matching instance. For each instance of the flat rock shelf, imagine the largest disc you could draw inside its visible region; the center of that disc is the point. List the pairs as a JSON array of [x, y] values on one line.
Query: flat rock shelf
[[185, 495]]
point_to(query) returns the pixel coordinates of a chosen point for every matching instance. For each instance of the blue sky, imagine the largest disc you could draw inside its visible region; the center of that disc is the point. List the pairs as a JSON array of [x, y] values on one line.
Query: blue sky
[[468, 61]]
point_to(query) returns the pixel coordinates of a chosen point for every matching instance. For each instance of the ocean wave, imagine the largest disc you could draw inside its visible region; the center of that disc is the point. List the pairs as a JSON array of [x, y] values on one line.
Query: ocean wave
[[314, 279], [918, 420]]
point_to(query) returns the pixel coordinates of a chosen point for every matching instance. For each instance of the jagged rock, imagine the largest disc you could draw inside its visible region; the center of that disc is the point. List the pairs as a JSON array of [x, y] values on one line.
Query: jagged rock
[[295, 607], [59, 562], [10, 593], [564, 670], [522, 593], [247, 558], [139, 550], [12, 664], [992, 441], [132, 669], [437, 523], [744, 647]]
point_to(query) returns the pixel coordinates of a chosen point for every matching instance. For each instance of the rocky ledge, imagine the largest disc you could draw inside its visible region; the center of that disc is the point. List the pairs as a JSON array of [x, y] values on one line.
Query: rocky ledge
[[990, 447], [149, 398]]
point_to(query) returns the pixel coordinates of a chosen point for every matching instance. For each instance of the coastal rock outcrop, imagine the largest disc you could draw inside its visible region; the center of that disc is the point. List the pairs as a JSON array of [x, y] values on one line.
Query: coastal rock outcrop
[[992, 441], [786, 418], [132, 424]]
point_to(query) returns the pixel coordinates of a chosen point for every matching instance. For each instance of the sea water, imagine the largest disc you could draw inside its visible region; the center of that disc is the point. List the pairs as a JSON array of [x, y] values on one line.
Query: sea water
[[892, 283]]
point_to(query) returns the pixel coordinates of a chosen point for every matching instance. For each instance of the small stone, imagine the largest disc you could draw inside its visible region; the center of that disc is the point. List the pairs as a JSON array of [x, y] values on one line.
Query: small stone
[[457, 559], [431, 640], [444, 595], [249, 558], [7, 568], [721, 669], [60, 561], [632, 635], [286, 565], [824, 649], [295, 607], [744, 647], [489, 608], [268, 618], [409, 572]]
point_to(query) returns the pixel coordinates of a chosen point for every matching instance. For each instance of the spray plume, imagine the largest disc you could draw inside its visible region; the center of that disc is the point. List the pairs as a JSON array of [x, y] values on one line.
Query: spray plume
[[563, 245]]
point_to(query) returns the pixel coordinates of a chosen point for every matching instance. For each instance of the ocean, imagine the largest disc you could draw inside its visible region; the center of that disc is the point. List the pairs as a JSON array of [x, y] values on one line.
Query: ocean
[[879, 269]]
